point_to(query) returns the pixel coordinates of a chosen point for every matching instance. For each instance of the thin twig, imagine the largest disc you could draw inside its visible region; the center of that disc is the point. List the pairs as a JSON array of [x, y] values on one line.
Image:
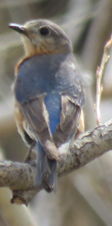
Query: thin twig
[[99, 74]]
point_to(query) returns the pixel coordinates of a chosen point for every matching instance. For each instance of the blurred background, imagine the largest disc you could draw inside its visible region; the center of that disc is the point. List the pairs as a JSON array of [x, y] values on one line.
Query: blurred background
[[85, 196]]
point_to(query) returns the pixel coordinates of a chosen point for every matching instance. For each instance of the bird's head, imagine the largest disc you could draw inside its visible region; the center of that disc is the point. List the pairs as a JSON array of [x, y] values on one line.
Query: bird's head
[[42, 37]]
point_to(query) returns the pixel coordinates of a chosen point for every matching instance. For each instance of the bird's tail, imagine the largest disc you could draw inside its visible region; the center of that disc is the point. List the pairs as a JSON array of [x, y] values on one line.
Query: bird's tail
[[46, 170]]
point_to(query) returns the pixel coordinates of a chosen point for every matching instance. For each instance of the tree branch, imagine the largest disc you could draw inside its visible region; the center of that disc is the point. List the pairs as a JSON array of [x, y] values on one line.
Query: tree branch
[[20, 177], [99, 74]]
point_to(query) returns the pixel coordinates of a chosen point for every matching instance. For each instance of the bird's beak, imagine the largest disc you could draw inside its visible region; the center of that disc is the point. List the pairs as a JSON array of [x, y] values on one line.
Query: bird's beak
[[19, 28]]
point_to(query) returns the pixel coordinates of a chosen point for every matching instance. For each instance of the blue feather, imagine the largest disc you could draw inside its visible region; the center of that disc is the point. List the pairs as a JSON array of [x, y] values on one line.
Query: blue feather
[[46, 170], [53, 104]]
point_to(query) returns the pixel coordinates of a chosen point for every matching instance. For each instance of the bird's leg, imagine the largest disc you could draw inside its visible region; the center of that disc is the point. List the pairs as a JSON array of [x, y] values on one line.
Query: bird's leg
[[29, 156]]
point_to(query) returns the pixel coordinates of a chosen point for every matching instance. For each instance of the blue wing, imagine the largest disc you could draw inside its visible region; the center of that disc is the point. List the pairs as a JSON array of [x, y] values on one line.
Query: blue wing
[[54, 78], [50, 95]]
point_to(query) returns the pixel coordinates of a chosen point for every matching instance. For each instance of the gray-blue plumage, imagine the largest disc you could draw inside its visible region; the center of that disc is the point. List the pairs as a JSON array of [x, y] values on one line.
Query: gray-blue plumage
[[53, 81], [48, 73], [49, 94], [51, 75]]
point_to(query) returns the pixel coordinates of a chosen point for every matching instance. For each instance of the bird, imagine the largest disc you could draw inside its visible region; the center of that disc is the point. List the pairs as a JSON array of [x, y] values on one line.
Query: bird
[[49, 95]]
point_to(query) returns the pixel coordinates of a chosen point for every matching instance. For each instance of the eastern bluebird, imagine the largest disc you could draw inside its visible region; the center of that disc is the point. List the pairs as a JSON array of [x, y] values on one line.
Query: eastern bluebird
[[48, 95]]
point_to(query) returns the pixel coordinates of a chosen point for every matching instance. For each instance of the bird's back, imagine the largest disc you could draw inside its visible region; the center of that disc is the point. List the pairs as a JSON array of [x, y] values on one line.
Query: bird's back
[[47, 73]]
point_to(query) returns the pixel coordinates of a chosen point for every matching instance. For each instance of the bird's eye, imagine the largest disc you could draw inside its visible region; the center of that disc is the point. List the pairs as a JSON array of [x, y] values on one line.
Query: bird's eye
[[44, 31]]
